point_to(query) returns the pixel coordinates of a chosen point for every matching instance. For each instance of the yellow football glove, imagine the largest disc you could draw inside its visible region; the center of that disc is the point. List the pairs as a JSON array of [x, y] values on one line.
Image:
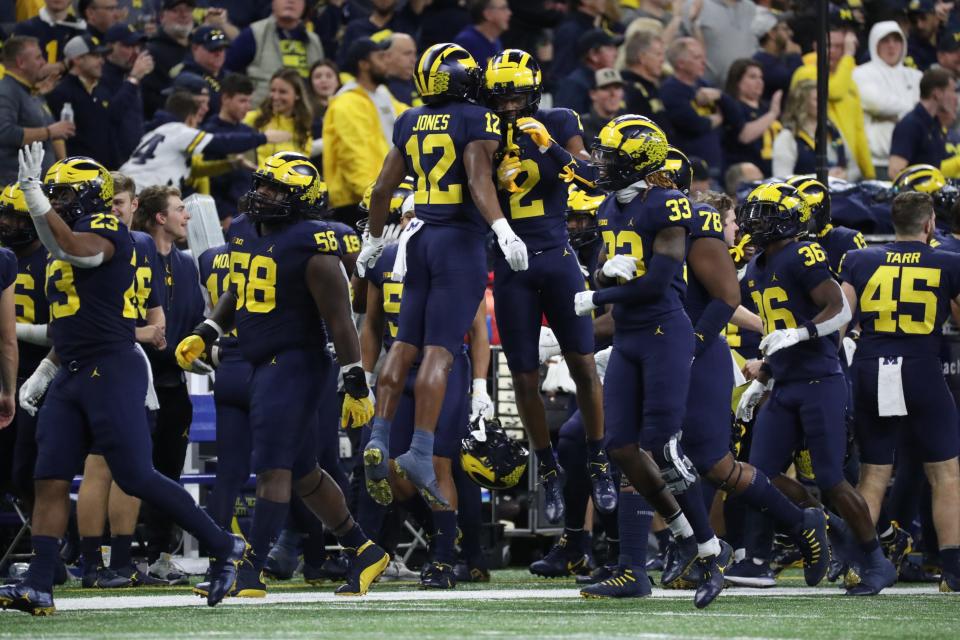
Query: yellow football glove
[[507, 171], [356, 413], [537, 132], [189, 351], [358, 401]]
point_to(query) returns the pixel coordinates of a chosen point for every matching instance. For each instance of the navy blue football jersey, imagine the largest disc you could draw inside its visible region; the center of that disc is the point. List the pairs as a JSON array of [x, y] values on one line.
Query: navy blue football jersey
[[214, 266], [778, 288], [630, 229], [92, 310], [347, 236], [275, 309], [31, 304], [151, 287], [705, 223], [392, 292], [904, 291], [432, 140], [946, 243], [537, 212], [8, 268], [836, 241]]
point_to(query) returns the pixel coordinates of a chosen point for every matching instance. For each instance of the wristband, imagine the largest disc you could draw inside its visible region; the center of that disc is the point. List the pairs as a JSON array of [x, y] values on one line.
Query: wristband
[[479, 386], [766, 370], [811, 329], [371, 378]]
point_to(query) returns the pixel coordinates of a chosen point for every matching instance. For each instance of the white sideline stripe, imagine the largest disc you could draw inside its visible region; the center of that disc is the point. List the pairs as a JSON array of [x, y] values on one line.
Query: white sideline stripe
[[141, 602]]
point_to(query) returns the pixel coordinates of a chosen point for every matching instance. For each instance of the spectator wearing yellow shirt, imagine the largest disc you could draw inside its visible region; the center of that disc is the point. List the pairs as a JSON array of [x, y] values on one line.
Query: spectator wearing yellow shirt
[[843, 102], [285, 108], [358, 128]]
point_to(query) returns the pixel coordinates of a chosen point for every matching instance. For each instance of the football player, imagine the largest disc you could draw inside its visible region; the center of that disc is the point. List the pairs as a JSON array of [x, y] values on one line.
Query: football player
[[903, 291], [18, 235], [712, 300], [836, 240], [287, 293], [449, 144], [791, 287], [643, 225], [97, 394], [380, 328], [98, 497], [533, 195]]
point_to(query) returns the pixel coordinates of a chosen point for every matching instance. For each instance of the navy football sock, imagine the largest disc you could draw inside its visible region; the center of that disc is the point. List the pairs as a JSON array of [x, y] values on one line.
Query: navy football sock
[[353, 539], [469, 504], [869, 547], [610, 524], [576, 490], [691, 502], [950, 560], [545, 458], [663, 538], [370, 515], [764, 497], [91, 553], [759, 536], [268, 519], [635, 516], [445, 523], [420, 511], [120, 552], [46, 550]]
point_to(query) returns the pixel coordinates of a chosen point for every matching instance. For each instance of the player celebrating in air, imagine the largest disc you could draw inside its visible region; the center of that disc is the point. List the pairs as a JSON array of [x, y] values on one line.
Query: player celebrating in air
[[643, 224], [790, 285], [903, 291], [98, 392], [448, 144], [287, 292], [534, 196]]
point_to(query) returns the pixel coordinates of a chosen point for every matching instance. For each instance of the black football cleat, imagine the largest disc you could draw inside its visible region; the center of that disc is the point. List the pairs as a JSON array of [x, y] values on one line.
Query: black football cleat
[[604, 487], [711, 578], [464, 572], [27, 599], [897, 546], [366, 566], [334, 568], [104, 578], [249, 583], [785, 554], [747, 573], [876, 574], [282, 562], [438, 575], [223, 574], [601, 573], [912, 572], [813, 544], [624, 583], [681, 557], [139, 578], [949, 583], [561, 561], [552, 479]]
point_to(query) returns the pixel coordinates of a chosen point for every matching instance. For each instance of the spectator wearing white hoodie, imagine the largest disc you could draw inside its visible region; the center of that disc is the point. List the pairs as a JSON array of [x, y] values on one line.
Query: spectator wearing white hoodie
[[888, 89]]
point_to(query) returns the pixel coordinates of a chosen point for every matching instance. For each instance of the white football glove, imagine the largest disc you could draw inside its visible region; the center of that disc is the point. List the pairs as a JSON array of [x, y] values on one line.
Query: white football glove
[[779, 339], [369, 252], [750, 399], [849, 349], [549, 346], [480, 402], [514, 250], [602, 358], [36, 385], [583, 303], [624, 267], [30, 176]]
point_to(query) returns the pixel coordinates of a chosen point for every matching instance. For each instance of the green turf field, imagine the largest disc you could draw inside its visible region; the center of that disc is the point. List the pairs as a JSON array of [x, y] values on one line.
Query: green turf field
[[512, 605]]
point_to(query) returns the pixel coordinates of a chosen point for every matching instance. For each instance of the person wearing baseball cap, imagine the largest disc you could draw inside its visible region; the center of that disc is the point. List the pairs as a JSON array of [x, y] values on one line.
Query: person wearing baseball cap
[[606, 100], [126, 45], [99, 15], [169, 47], [924, 25], [95, 108], [597, 49], [208, 52], [778, 55], [948, 52]]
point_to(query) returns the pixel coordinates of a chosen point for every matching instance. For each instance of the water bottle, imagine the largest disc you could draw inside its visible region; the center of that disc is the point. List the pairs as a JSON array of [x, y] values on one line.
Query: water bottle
[[66, 113]]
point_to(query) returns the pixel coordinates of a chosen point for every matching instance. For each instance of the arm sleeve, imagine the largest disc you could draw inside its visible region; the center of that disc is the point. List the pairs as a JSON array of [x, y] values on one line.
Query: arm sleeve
[[651, 285], [572, 168], [241, 52], [712, 321]]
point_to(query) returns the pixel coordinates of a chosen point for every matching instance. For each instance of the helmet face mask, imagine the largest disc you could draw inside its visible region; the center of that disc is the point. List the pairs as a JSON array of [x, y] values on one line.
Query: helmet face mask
[[286, 187], [512, 84], [16, 229], [78, 186], [582, 229], [773, 212], [628, 149], [397, 198]]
